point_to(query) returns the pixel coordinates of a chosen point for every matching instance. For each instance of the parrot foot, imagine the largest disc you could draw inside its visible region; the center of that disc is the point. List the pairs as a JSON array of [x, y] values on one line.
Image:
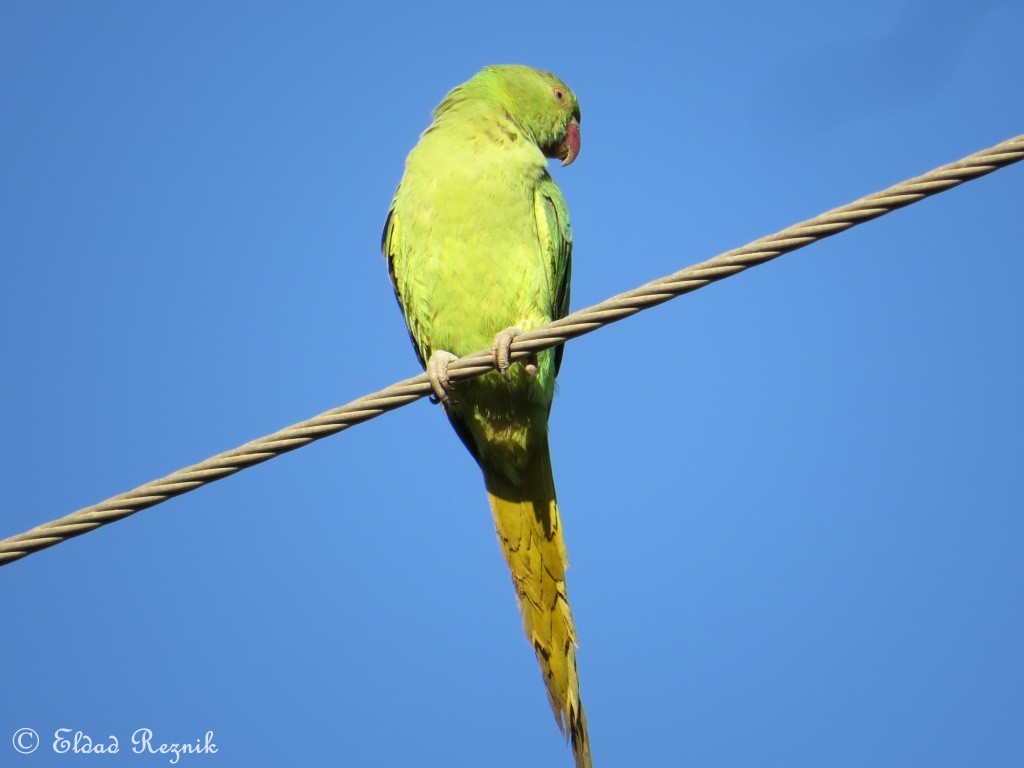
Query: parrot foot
[[502, 353], [437, 372]]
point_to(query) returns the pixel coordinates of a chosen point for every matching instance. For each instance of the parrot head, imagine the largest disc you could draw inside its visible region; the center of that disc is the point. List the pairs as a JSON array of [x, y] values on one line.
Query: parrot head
[[541, 105]]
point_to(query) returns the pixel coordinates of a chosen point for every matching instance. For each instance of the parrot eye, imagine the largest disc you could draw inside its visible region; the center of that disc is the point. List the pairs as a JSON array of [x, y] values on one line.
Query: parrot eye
[[559, 94]]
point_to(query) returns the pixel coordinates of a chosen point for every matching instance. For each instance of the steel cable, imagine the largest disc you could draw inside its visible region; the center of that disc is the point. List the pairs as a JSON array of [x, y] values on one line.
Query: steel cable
[[549, 335]]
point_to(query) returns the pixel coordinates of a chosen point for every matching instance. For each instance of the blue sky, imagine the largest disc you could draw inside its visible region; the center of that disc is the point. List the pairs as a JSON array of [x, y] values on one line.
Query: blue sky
[[793, 500]]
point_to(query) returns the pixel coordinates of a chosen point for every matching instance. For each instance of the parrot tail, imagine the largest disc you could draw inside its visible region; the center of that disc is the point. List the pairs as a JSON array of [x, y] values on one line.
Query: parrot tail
[[530, 533]]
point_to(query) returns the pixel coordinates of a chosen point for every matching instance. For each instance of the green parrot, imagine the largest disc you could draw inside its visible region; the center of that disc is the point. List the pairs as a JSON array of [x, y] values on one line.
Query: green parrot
[[478, 245]]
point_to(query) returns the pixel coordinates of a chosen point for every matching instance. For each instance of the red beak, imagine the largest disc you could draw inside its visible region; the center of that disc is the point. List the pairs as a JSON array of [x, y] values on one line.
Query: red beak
[[571, 143]]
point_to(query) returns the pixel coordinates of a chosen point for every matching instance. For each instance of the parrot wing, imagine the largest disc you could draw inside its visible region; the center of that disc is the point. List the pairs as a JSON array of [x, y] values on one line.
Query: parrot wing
[[555, 233]]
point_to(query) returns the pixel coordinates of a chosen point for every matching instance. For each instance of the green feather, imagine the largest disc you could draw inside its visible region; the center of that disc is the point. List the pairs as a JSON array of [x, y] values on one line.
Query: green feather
[[478, 240]]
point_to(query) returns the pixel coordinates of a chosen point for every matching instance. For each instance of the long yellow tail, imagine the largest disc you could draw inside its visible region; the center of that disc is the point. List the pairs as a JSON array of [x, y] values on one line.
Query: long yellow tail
[[530, 533]]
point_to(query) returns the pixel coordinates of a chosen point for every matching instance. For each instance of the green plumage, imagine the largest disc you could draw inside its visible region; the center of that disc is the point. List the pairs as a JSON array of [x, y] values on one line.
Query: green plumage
[[478, 240]]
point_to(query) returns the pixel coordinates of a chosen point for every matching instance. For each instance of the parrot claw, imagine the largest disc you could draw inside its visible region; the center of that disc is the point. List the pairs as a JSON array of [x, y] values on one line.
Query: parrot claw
[[437, 372], [502, 353]]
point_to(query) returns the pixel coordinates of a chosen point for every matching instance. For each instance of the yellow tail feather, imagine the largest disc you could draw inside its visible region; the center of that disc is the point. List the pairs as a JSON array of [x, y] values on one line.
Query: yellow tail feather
[[530, 534]]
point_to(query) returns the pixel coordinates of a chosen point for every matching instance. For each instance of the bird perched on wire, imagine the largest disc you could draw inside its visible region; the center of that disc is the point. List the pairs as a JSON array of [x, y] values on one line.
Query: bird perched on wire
[[478, 245]]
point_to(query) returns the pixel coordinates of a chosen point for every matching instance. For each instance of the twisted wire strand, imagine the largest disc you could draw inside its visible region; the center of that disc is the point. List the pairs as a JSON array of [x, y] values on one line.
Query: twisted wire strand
[[549, 335]]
